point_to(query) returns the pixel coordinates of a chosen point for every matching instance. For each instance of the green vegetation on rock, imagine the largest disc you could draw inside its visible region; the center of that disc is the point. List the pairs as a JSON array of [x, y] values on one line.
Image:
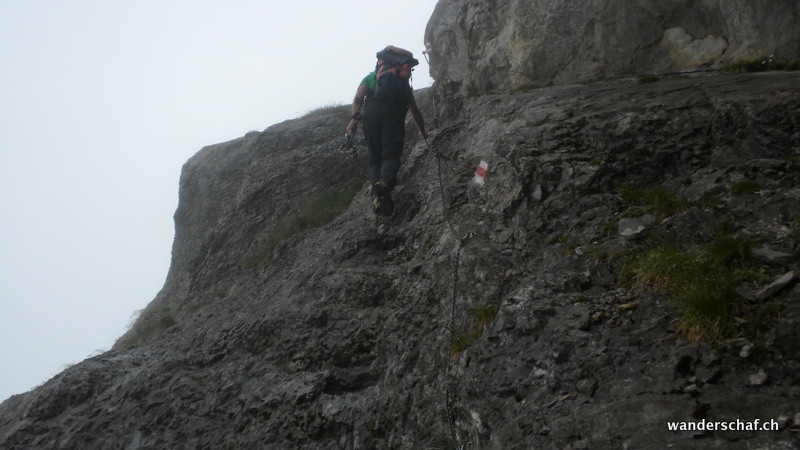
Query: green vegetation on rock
[[480, 316], [325, 109], [655, 200], [319, 210], [702, 279], [743, 187], [149, 323], [763, 64]]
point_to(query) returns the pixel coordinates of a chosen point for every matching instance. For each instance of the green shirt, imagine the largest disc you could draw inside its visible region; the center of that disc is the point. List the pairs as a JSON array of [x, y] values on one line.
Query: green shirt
[[372, 79]]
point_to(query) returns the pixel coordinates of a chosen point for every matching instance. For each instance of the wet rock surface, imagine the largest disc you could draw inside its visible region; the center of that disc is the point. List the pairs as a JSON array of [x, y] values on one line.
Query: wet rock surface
[[341, 338], [291, 318]]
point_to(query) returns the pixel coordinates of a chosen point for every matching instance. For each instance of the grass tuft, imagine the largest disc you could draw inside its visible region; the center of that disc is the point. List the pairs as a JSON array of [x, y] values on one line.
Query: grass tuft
[[701, 279], [743, 187], [730, 251], [481, 316], [461, 341], [147, 324], [763, 64], [320, 209], [655, 200], [325, 109]]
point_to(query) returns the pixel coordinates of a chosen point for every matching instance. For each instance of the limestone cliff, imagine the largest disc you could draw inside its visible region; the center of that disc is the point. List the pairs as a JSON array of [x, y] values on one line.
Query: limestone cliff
[[487, 46], [508, 314]]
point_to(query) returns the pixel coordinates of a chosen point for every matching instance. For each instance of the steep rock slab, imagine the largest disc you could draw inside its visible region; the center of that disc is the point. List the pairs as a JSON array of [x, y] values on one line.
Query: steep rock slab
[[574, 362], [341, 340]]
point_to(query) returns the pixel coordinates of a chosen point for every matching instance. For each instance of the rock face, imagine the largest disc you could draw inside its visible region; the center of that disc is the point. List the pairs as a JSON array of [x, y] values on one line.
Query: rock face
[[279, 327], [488, 46], [270, 175]]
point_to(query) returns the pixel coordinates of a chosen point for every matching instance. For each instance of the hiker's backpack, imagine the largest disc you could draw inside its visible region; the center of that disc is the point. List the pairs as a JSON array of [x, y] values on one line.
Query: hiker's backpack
[[393, 74]]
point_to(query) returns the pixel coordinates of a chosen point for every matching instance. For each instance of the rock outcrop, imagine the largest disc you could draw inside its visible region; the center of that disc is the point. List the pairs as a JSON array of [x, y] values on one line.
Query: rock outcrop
[[498, 46], [486, 315]]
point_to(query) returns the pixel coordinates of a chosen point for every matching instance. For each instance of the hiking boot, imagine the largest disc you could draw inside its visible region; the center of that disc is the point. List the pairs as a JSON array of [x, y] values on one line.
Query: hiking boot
[[377, 195], [388, 205], [381, 199]]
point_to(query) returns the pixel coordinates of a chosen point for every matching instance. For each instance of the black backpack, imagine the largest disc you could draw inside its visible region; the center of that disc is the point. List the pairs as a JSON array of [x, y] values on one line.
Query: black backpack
[[393, 75]]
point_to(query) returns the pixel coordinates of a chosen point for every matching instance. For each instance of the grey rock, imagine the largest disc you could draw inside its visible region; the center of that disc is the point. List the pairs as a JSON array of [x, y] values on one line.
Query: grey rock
[[776, 286], [489, 47], [587, 387], [709, 375], [768, 255], [708, 356], [692, 390], [633, 226], [746, 351], [758, 379]]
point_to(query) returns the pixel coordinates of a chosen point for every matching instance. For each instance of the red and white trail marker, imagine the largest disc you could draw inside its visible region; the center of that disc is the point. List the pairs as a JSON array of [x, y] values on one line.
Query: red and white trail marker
[[480, 172]]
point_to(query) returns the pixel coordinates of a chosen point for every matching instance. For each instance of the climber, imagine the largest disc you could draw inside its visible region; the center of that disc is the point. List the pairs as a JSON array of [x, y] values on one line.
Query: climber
[[386, 95]]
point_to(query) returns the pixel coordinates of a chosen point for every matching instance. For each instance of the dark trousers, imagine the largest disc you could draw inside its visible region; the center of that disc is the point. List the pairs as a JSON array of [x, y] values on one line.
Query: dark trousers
[[385, 131]]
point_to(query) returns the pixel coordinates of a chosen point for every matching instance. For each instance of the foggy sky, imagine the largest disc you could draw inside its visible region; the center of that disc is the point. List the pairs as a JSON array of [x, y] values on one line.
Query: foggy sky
[[101, 102]]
